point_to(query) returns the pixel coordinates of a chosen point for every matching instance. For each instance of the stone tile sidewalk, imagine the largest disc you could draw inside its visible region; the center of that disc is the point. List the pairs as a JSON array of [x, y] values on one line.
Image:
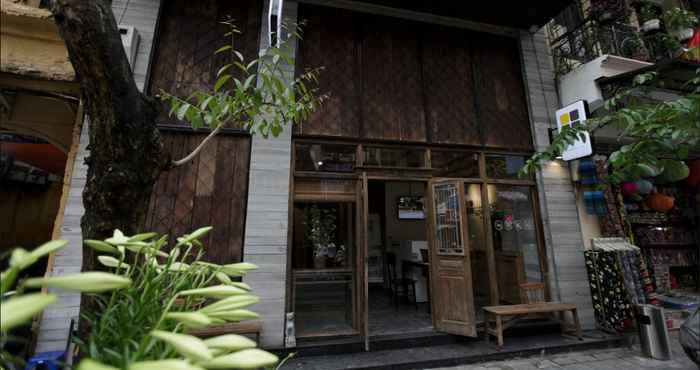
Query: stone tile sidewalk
[[622, 358]]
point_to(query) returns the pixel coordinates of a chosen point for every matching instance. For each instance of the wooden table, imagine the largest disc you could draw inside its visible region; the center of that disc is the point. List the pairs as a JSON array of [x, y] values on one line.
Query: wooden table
[[519, 311]]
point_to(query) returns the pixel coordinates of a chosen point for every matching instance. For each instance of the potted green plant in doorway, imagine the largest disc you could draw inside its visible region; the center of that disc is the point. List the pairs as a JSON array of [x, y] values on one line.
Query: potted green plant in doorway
[[319, 230]]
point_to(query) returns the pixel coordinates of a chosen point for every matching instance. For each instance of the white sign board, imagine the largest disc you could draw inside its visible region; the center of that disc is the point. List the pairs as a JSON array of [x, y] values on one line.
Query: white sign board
[[574, 114]]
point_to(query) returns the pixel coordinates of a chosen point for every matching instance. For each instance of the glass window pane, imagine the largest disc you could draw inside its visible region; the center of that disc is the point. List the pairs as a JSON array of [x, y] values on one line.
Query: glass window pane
[[323, 257], [514, 240], [477, 248], [454, 164], [448, 232], [325, 157], [393, 157], [504, 166]]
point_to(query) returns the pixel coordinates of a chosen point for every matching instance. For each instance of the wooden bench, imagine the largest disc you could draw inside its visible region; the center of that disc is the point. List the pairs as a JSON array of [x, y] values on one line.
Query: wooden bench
[[247, 327], [517, 312]]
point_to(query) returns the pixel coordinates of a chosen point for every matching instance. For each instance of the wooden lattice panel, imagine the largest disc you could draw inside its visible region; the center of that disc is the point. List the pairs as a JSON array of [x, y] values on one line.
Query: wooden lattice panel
[[188, 35]]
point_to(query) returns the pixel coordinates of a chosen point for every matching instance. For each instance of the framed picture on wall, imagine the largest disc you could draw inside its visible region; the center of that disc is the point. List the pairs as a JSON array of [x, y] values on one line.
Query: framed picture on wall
[[410, 207]]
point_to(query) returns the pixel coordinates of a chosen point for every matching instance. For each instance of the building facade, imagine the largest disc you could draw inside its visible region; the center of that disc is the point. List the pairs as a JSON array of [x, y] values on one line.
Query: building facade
[[409, 168]]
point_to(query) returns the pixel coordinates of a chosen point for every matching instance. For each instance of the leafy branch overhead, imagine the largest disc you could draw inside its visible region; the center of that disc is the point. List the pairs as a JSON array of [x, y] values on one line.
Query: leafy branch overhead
[[260, 95], [657, 136]]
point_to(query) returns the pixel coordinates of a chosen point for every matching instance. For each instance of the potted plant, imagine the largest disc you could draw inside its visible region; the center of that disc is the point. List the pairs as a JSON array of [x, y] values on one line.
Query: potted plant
[[319, 233], [680, 23], [649, 18]]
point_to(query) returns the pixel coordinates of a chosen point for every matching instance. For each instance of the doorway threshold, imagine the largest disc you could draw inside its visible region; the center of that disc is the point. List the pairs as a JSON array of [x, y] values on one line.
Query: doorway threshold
[[353, 344], [461, 351]]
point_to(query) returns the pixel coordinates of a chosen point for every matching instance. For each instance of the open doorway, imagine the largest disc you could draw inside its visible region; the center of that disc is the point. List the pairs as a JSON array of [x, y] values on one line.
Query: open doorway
[[397, 251]]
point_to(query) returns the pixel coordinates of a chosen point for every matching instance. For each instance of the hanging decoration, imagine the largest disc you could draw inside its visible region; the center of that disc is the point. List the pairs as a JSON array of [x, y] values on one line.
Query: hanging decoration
[[660, 202]]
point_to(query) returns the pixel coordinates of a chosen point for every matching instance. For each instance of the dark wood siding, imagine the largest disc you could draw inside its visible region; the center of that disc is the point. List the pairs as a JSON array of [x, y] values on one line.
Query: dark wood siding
[[399, 80], [392, 103], [210, 190], [449, 86], [190, 32], [501, 100], [330, 41]]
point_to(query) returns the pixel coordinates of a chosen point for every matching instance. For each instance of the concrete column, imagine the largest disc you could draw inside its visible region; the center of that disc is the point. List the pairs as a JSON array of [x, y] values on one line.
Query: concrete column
[[562, 227], [268, 212]]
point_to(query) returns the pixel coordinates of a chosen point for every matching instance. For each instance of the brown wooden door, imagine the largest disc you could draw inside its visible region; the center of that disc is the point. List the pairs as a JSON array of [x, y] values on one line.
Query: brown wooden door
[[450, 269]]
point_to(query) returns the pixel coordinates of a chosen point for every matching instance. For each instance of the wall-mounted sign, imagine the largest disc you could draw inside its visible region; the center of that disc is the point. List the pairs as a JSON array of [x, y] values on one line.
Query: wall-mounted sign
[[574, 114]]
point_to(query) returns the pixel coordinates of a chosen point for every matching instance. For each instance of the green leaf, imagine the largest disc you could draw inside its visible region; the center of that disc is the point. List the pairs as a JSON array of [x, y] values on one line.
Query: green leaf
[[217, 291], [17, 310], [182, 112], [234, 315], [101, 246], [246, 359], [231, 303], [118, 238], [187, 345], [223, 69], [171, 364], [220, 82], [178, 266], [89, 364], [223, 278], [47, 248], [190, 319], [143, 236], [110, 261], [242, 266], [21, 259], [230, 342], [88, 282], [223, 48], [7, 278], [239, 55], [197, 234]]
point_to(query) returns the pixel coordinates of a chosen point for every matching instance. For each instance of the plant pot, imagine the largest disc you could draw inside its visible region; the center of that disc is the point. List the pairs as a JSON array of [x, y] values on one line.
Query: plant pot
[[683, 34], [320, 262], [651, 25]]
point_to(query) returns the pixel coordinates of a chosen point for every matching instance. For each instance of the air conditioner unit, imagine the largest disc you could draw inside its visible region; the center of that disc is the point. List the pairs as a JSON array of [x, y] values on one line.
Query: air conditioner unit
[[130, 40]]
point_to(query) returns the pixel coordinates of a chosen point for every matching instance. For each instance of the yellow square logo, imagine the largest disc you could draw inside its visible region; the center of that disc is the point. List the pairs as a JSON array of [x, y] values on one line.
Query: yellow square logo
[[564, 119]]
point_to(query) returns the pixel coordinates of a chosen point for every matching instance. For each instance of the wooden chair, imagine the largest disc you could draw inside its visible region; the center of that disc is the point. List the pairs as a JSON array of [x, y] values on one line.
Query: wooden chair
[[399, 286], [532, 293]]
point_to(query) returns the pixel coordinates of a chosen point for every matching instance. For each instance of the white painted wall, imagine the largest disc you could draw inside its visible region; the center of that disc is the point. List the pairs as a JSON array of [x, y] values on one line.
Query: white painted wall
[[580, 82]]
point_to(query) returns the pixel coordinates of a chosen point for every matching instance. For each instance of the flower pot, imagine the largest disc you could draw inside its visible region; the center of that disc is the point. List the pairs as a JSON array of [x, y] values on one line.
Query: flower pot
[[320, 262], [651, 25], [683, 34]]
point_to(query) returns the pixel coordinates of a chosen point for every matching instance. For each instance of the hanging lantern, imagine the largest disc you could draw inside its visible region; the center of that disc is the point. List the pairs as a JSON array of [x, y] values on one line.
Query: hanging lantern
[[629, 189], [644, 187], [660, 202]]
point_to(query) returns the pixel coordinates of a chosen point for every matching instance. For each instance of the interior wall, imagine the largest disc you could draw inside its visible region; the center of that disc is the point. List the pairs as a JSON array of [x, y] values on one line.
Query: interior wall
[[400, 230]]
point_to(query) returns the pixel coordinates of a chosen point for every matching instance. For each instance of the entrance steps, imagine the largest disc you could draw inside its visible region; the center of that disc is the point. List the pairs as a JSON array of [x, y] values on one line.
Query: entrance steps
[[439, 350]]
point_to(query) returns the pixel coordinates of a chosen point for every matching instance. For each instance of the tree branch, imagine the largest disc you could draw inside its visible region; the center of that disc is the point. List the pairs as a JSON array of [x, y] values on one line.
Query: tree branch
[[198, 149]]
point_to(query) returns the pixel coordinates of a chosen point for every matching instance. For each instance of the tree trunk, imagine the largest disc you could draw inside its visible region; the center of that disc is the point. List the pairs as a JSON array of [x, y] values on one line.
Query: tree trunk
[[126, 153]]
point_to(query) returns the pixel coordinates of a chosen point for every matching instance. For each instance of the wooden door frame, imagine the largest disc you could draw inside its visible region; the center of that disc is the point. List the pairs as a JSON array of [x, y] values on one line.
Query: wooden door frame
[[357, 201]]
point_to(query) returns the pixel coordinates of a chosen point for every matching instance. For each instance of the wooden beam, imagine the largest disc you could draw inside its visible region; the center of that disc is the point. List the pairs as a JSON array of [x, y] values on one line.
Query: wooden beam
[[416, 16]]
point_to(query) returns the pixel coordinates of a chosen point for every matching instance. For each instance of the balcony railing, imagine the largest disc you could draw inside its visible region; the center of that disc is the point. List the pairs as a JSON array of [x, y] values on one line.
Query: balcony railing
[[592, 39]]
